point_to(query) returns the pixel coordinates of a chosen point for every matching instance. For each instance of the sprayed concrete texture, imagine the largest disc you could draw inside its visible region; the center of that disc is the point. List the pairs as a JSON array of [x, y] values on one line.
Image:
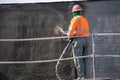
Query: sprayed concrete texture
[[41, 20]]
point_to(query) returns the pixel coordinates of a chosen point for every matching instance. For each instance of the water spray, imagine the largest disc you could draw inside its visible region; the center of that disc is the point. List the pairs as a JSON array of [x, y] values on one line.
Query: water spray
[[57, 29]]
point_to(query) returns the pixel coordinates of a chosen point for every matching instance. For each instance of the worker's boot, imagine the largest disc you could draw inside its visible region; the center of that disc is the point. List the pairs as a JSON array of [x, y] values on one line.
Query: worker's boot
[[78, 78]]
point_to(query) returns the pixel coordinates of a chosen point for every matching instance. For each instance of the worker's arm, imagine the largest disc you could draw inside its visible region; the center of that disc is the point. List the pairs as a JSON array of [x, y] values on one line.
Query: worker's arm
[[72, 27], [61, 31]]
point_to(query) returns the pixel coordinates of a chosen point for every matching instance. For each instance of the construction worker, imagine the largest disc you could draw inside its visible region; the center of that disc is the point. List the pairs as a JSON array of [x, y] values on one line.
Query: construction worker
[[79, 27]]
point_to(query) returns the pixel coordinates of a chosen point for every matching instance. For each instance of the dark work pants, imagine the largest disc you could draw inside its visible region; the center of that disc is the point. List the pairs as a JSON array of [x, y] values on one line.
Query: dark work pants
[[80, 48]]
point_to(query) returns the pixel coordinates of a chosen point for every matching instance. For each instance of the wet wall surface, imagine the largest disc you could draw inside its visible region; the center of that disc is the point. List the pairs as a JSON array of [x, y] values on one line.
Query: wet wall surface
[[19, 21]]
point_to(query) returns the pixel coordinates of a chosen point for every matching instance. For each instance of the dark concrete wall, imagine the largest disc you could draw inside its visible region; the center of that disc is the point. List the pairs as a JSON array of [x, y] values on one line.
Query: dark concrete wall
[[33, 21], [104, 17], [41, 20]]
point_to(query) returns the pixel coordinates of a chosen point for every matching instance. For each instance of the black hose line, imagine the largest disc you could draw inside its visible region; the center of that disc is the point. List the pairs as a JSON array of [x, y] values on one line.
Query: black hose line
[[58, 62]]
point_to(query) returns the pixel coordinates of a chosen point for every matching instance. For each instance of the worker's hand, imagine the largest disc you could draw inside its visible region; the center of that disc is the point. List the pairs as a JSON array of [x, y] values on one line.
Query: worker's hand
[[62, 32]]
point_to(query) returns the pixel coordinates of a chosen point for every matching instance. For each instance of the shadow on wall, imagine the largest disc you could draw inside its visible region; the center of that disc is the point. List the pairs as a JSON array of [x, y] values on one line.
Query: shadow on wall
[[3, 76]]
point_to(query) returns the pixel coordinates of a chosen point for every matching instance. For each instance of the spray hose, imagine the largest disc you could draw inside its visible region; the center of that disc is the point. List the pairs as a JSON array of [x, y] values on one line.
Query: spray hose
[[58, 62]]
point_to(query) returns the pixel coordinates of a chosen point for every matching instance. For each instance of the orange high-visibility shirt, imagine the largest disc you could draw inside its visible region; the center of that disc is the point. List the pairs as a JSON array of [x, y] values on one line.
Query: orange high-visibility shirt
[[78, 26]]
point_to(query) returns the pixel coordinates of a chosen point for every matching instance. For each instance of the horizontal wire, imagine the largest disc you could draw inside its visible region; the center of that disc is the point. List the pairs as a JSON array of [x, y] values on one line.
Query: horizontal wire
[[36, 39], [116, 56], [51, 38], [55, 60], [33, 39], [106, 34], [42, 61]]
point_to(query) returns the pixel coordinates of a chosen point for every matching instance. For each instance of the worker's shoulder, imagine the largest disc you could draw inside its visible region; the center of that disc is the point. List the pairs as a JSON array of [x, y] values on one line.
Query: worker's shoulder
[[75, 18]]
